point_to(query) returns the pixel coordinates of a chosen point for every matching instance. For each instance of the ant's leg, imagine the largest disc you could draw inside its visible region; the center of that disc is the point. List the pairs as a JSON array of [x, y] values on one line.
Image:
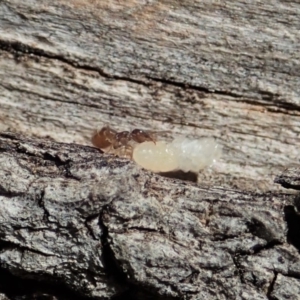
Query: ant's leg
[[110, 150], [124, 151]]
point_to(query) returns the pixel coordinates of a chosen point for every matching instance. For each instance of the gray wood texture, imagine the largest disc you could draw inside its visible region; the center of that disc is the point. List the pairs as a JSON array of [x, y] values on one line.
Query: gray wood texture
[[227, 69], [104, 227]]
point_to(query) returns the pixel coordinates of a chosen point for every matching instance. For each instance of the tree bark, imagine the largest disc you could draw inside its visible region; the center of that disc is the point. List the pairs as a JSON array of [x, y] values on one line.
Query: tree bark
[[228, 69], [73, 219], [104, 227]]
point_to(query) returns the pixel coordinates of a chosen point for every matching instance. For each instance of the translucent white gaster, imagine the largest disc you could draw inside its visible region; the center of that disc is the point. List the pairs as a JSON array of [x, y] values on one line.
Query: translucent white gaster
[[181, 154]]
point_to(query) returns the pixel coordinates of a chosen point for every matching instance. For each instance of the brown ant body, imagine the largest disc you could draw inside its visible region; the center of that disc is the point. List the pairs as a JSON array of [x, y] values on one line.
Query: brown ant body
[[187, 155], [120, 143]]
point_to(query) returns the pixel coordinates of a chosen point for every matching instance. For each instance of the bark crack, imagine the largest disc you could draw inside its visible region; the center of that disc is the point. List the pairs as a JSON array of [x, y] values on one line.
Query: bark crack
[[7, 245], [19, 49], [271, 286], [116, 273]]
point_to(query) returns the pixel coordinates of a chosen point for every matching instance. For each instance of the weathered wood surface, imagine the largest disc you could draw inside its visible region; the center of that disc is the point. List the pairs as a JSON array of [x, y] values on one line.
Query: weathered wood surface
[[104, 227], [228, 69]]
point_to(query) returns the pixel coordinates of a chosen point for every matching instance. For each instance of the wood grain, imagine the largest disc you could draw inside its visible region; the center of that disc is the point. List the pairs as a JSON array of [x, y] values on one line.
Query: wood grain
[[223, 69]]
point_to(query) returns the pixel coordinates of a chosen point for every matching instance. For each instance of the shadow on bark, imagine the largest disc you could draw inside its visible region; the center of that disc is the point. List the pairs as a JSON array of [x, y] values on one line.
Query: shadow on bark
[[16, 288], [292, 218]]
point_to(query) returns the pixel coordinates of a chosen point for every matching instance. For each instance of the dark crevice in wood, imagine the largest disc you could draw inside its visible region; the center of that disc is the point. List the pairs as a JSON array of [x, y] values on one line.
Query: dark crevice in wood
[[187, 176], [257, 228], [41, 204], [223, 238], [110, 264], [235, 258], [9, 194], [20, 49], [57, 161], [142, 229], [258, 248], [271, 287], [197, 88], [66, 165], [16, 287], [63, 165], [5, 245], [287, 182], [119, 278], [291, 274], [267, 98], [292, 217]]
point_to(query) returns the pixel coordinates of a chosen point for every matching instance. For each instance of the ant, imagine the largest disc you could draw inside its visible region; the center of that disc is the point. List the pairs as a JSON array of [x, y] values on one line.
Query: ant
[[120, 143]]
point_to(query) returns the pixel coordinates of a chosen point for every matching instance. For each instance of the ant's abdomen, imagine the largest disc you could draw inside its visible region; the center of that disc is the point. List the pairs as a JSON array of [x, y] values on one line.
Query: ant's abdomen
[[181, 154]]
